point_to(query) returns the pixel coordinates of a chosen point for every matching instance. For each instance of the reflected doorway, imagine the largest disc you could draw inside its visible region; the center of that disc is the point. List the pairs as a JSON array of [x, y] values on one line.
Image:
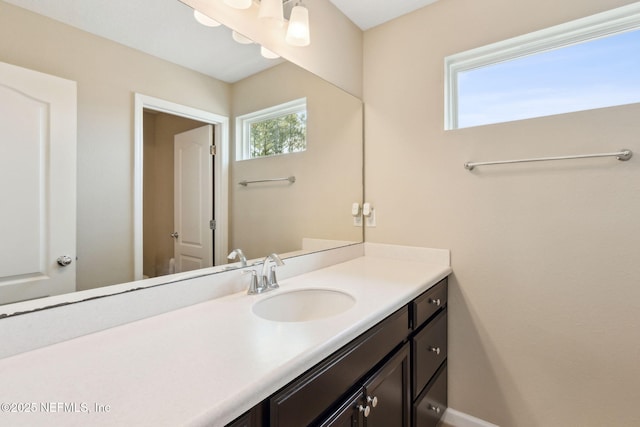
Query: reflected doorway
[[177, 194], [156, 123]]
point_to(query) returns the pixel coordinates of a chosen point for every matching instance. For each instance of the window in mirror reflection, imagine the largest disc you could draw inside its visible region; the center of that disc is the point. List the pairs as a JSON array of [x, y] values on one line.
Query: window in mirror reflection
[[281, 129]]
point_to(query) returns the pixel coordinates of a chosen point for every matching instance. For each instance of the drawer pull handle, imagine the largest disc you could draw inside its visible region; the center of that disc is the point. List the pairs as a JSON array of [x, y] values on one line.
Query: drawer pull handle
[[373, 401], [365, 410], [435, 409], [435, 350], [435, 301]]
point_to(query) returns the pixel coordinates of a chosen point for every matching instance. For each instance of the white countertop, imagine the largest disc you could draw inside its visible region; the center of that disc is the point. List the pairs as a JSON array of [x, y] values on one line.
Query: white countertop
[[202, 365]]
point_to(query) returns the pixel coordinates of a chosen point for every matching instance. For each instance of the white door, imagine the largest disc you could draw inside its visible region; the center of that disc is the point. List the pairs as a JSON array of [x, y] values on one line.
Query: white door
[[193, 199], [37, 184]]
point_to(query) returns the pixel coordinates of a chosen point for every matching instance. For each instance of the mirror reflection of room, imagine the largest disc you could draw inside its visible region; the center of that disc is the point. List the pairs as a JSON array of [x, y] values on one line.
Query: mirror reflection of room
[[108, 74]]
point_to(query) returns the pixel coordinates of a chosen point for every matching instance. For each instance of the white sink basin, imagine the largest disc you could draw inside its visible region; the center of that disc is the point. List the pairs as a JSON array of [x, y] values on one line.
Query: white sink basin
[[303, 305]]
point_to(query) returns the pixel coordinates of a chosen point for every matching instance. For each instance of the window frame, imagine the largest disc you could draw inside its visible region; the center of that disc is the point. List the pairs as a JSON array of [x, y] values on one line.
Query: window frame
[[615, 21], [244, 122]]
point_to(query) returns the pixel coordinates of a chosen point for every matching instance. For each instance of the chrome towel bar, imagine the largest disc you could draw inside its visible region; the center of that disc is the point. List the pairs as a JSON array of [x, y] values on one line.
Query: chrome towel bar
[[622, 155], [291, 179]]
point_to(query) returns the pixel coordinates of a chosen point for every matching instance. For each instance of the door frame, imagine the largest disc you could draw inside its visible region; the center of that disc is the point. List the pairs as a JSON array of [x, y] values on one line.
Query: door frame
[[220, 172]]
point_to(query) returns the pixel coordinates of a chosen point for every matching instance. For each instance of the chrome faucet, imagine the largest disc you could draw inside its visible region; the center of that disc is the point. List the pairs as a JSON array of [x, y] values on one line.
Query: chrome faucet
[[237, 253], [267, 280], [254, 287], [270, 282]]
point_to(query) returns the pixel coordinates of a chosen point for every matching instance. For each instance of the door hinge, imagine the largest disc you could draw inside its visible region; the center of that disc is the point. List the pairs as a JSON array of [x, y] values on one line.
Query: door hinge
[[212, 224], [212, 150]]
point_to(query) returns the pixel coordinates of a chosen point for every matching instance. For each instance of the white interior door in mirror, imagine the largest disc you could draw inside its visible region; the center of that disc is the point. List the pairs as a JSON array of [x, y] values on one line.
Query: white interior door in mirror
[[37, 184], [193, 204]]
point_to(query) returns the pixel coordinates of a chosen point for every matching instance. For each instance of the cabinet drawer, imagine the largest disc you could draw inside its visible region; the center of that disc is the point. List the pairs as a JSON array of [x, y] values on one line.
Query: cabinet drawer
[[306, 398], [429, 350], [423, 307], [431, 404]]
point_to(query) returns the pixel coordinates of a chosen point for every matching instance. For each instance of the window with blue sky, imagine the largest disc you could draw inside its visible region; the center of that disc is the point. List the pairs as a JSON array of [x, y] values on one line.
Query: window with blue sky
[[593, 74], [585, 64]]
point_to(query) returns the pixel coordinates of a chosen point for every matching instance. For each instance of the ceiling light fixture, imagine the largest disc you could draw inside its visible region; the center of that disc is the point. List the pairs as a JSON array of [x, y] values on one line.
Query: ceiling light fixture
[[266, 53], [298, 33], [240, 38], [204, 19], [271, 9]]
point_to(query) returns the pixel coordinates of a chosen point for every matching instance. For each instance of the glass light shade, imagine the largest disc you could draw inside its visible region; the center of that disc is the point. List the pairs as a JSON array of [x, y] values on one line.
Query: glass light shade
[[239, 4], [298, 31], [266, 53], [271, 9], [240, 38], [204, 19]]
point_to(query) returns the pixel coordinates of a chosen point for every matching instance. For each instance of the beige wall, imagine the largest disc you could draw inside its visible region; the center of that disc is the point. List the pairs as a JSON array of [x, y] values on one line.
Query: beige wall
[[275, 217], [544, 297], [108, 75]]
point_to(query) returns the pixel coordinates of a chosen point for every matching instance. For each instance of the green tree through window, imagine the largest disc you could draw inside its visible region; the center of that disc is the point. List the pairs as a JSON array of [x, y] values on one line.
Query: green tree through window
[[279, 135]]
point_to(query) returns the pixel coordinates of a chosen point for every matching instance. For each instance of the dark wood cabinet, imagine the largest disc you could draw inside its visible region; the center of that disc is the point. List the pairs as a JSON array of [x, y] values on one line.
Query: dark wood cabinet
[[429, 351], [349, 414], [429, 356], [308, 397], [382, 401], [251, 418], [393, 375], [432, 402], [242, 421], [387, 392], [429, 303]]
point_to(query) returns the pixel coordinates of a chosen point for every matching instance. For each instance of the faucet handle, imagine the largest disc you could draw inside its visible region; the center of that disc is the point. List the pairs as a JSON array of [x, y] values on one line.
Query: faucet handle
[[273, 281], [254, 287]]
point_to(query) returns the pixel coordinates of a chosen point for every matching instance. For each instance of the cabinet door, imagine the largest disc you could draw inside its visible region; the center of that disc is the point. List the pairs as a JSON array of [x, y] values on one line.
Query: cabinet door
[[349, 414], [387, 393], [317, 390], [253, 418], [243, 421]]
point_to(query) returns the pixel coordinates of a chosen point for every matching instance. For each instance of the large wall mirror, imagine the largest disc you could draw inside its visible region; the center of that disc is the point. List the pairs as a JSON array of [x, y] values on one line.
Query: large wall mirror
[[124, 234]]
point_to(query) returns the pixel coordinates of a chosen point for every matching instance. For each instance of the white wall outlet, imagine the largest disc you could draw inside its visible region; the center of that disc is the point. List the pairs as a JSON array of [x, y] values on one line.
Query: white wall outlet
[[357, 214], [370, 220], [355, 209], [366, 209]]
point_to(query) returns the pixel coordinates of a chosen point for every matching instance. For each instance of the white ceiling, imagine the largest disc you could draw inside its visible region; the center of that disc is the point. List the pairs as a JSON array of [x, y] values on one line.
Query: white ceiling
[[367, 14], [166, 29]]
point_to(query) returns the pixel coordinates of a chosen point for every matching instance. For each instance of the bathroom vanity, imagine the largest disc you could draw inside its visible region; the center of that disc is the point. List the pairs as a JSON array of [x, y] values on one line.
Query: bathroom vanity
[[221, 362], [394, 374]]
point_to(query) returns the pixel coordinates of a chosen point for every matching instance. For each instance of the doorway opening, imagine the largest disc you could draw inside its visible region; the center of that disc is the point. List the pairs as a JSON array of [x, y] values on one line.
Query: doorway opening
[[177, 178]]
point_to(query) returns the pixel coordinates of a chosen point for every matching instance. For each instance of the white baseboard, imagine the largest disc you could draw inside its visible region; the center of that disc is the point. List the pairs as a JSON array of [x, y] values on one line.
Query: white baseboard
[[460, 419]]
